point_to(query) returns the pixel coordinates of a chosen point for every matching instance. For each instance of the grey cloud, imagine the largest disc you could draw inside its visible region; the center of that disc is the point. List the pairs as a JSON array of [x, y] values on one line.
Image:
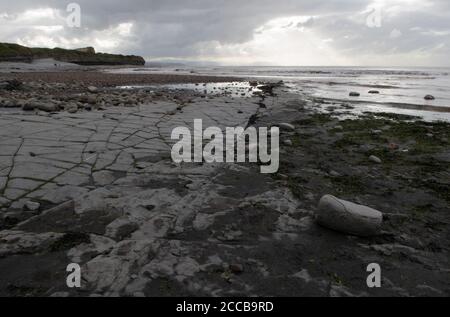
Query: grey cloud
[[172, 28]]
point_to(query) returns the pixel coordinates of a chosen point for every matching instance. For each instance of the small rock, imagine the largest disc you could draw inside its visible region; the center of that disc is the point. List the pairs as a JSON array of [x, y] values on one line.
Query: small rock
[[334, 174], [47, 107], [286, 127], [11, 85], [72, 109], [429, 97], [92, 89], [375, 159], [374, 92], [394, 146], [354, 94], [91, 100], [236, 268], [120, 229], [288, 142], [348, 217], [32, 206]]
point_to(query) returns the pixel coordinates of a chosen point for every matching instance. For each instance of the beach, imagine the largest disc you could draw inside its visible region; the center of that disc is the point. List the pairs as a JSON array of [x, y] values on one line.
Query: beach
[[86, 177]]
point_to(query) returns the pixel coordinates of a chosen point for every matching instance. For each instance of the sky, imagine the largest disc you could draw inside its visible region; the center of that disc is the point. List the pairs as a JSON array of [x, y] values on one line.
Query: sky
[[237, 32]]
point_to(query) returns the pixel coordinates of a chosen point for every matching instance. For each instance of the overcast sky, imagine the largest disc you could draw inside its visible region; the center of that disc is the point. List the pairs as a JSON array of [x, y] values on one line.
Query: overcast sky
[[243, 32]]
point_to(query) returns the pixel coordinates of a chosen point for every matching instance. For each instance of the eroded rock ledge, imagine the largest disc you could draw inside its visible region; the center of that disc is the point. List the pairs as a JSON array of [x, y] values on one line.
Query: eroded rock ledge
[[84, 56]]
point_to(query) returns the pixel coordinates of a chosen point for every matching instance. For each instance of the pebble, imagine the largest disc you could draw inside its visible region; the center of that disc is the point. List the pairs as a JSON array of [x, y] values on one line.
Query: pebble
[[92, 89], [394, 146], [236, 268], [32, 206], [287, 127], [72, 109], [375, 159], [354, 94], [334, 174]]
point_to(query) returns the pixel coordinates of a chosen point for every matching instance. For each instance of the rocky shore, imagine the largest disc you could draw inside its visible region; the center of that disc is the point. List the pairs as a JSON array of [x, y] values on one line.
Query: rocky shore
[[73, 91], [86, 177]]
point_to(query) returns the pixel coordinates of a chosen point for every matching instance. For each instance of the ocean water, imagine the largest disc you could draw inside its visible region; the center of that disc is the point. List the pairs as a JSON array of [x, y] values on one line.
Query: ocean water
[[401, 90]]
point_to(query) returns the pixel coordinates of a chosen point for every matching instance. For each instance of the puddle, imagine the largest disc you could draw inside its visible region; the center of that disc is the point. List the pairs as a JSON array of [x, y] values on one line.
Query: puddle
[[231, 89]]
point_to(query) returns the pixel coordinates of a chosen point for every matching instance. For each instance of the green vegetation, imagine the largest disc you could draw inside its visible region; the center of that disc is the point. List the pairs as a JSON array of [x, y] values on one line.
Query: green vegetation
[[315, 119], [421, 137], [15, 52]]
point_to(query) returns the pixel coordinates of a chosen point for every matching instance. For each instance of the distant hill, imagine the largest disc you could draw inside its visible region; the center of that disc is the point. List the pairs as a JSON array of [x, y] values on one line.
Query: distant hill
[[83, 56]]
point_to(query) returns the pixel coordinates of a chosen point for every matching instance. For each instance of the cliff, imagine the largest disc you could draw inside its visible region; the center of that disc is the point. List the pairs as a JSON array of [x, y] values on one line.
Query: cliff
[[84, 56]]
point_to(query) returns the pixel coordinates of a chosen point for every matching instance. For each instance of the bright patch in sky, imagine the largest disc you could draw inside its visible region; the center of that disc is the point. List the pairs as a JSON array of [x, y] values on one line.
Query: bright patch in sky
[[285, 32], [282, 41]]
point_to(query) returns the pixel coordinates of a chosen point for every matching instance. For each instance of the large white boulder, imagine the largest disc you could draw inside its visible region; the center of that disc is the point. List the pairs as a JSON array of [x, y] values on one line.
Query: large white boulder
[[348, 217]]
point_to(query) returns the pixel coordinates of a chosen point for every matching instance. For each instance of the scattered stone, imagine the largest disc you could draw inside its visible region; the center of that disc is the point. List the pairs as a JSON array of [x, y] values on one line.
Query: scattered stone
[[354, 94], [288, 142], [92, 89], [348, 217], [92, 100], [374, 92], [334, 174], [32, 206], [120, 229], [394, 146], [429, 97], [287, 127], [11, 85], [72, 109], [304, 275], [375, 159], [236, 268], [47, 107]]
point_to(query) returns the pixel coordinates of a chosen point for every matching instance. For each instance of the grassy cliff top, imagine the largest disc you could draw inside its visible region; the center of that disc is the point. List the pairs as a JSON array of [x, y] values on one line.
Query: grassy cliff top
[[11, 50], [82, 57]]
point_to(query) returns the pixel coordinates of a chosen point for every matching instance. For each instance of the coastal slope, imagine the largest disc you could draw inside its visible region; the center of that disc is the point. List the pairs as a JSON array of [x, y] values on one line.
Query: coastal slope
[[84, 56]]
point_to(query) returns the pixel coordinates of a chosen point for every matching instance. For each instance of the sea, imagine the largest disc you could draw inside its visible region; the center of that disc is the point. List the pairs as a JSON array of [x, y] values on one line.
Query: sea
[[400, 90]]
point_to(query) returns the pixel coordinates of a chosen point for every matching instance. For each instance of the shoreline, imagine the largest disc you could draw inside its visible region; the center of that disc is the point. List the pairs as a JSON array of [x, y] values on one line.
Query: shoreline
[[103, 79]]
